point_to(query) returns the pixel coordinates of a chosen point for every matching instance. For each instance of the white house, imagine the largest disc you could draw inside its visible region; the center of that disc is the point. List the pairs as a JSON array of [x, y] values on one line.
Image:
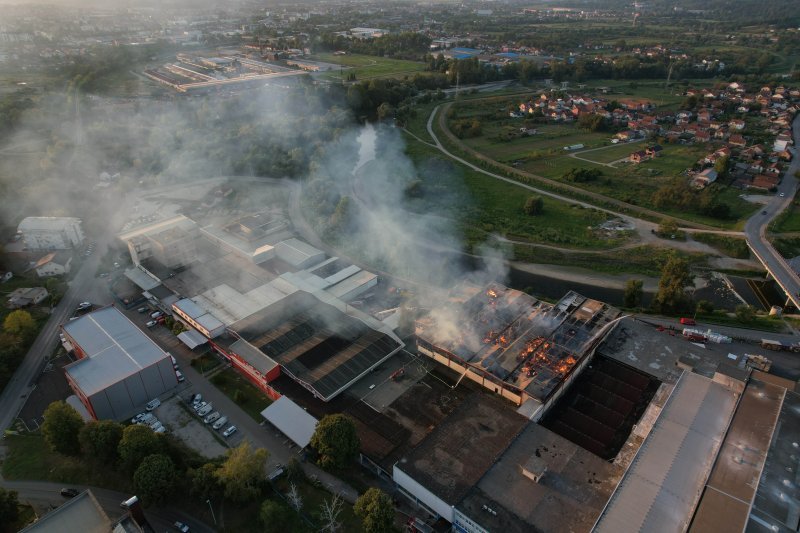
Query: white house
[[53, 264], [24, 297]]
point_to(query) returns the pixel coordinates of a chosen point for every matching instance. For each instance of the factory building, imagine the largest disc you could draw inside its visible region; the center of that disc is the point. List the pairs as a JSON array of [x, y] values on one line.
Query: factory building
[[51, 233], [198, 318], [119, 368]]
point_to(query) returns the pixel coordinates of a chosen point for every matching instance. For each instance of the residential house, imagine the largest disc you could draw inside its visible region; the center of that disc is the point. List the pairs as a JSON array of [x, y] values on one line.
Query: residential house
[[782, 141], [638, 156], [737, 124], [53, 264], [24, 297], [765, 182], [737, 140], [705, 178], [702, 137]]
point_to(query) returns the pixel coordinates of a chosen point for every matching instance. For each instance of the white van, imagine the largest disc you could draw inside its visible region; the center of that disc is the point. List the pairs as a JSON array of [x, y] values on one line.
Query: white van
[[221, 422], [212, 417]]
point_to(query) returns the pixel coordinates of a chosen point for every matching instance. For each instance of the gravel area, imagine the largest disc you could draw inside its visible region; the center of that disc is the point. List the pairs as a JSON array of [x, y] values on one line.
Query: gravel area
[[189, 428]]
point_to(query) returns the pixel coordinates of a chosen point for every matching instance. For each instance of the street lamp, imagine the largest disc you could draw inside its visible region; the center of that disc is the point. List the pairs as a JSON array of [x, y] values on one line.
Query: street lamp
[[212, 511]]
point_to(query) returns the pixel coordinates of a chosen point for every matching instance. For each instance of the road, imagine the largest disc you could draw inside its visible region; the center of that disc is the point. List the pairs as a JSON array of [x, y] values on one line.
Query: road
[[756, 228], [43, 496], [16, 392]]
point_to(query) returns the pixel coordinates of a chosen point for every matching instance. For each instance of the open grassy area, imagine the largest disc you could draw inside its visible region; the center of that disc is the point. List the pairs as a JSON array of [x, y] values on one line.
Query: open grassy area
[[313, 496], [760, 322], [238, 389], [612, 153], [29, 457], [543, 155], [367, 67], [481, 206], [728, 245], [789, 220]]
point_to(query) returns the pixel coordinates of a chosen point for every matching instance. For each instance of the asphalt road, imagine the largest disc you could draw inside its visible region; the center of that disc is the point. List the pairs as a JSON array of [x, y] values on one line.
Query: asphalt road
[[756, 227]]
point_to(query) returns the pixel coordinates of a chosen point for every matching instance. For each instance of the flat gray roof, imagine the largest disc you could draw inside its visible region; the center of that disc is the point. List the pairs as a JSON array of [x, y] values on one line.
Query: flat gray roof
[[296, 252], [81, 514], [189, 308], [253, 356], [115, 349], [292, 420], [664, 482]]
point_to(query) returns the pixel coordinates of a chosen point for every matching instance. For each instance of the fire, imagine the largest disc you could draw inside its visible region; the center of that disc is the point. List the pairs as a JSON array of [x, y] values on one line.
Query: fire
[[491, 293]]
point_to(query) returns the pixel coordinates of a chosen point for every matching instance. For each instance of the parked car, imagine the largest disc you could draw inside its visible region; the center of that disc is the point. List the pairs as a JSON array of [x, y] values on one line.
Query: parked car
[[154, 423], [152, 404], [180, 526], [83, 306], [174, 362], [180, 376], [212, 417], [205, 410], [221, 422], [146, 419], [160, 429], [199, 405], [138, 418], [151, 323], [228, 432], [197, 398], [142, 309], [69, 493], [688, 322], [155, 314]]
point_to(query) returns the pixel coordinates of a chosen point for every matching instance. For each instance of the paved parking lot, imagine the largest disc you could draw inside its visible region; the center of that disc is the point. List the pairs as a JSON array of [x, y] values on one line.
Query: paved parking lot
[[189, 428]]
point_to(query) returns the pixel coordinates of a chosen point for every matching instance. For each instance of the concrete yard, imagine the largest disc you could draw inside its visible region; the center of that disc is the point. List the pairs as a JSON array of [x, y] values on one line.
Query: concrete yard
[[178, 421]]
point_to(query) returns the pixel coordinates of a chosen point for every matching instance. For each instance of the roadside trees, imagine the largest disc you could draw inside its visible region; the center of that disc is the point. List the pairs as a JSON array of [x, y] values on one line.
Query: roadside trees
[[100, 440], [632, 296], [137, 443], [154, 479], [61, 427], [336, 441], [376, 511], [242, 471], [675, 278]]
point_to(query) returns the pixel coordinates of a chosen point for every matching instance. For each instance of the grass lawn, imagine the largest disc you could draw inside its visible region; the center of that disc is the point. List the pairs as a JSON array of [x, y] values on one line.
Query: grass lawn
[[789, 220], [612, 153], [313, 497], [25, 517], [205, 363], [252, 400], [728, 245], [29, 457], [760, 323], [481, 205], [366, 67], [543, 155]]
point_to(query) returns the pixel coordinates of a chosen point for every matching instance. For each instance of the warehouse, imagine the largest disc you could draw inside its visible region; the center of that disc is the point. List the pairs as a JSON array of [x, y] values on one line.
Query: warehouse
[[51, 233], [119, 368], [198, 318]]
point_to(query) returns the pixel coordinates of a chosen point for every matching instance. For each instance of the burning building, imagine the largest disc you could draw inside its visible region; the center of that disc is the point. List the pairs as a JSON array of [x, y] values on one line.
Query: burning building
[[511, 343]]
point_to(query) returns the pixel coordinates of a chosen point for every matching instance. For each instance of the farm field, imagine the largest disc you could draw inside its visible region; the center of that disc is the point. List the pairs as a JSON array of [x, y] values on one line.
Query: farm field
[[367, 67], [481, 206]]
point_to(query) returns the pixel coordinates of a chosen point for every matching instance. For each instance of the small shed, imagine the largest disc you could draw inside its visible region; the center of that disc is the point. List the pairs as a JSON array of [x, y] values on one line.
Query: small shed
[[292, 420]]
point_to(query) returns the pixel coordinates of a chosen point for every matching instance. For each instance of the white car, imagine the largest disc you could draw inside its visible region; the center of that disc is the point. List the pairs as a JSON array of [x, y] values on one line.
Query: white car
[[205, 410], [212, 417], [199, 405], [180, 526], [138, 418], [180, 376], [84, 306], [221, 422], [228, 432], [156, 314], [160, 429], [152, 404], [151, 323]]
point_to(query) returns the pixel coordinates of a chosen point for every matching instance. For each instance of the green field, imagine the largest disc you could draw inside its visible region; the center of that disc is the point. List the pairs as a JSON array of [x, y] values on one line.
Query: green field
[[543, 155], [789, 220], [481, 205], [368, 67], [250, 399]]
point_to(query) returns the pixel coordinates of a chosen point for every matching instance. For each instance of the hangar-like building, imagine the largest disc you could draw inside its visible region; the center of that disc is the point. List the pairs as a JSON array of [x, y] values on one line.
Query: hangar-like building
[[119, 368]]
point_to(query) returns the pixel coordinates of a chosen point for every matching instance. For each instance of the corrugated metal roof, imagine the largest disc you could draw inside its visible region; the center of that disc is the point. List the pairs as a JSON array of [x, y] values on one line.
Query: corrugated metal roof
[[663, 484], [192, 338], [46, 223], [189, 308], [292, 420], [81, 514], [114, 346], [296, 252], [255, 357], [141, 279]]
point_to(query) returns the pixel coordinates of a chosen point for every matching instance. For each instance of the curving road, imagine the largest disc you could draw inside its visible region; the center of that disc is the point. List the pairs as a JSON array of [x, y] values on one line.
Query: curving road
[[756, 228]]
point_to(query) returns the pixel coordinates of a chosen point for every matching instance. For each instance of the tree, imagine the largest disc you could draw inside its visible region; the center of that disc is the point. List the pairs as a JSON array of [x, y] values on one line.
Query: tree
[[294, 498], [61, 427], [276, 516], [667, 228], [745, 313], [721, 166], [242, 471], [155, 478], [705, 307], [534, 205], [100, 441], [205, 484], [137, 443], [336, 441], [376, 511], [675, 278], [9, 508], [329, 514], [19, 322], [633, 293]]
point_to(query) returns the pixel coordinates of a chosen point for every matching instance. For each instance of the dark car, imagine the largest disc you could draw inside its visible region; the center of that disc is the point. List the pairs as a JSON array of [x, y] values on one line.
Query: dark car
[[763, 212], [69, 493]]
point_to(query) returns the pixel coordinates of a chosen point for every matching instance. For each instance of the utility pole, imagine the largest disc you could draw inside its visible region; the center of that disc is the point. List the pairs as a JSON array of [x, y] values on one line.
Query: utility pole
[[212, 511]]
